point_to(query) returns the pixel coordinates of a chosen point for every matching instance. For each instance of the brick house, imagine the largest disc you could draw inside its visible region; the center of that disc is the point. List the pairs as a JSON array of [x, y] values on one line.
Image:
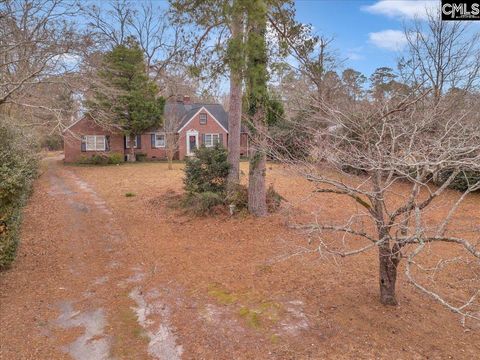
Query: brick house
[[194, 125]]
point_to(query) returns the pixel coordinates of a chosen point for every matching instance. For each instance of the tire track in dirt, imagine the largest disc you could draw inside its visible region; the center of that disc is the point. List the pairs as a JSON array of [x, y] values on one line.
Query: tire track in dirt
[[162, 341], [83, 308], [94, 343]]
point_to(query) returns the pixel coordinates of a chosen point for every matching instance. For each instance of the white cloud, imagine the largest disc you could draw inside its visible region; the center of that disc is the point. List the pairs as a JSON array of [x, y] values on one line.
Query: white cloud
[[355, 54], [393, 40], [67, 61], [402, 9]]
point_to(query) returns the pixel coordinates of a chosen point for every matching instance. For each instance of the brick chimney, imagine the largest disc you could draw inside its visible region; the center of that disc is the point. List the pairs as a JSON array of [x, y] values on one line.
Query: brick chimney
[[186, 99]]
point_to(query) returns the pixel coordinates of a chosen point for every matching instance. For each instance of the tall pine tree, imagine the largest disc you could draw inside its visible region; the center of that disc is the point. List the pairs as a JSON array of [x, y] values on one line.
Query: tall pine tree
[[257, 102], [214, 19], [124, 96]]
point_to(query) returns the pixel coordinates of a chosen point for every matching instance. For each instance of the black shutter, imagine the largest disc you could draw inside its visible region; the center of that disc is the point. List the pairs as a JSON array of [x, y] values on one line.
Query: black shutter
[[152, 140], [220, 139], [107, 142], [139, 141], [125, 141], [202, 137], [83, 146]]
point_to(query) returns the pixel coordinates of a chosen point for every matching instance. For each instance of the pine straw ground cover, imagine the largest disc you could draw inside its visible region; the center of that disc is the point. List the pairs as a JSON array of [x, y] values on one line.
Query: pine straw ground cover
[[246, 288]]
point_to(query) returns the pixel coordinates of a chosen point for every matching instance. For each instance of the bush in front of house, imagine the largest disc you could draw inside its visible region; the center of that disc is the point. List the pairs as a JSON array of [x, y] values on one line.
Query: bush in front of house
[[102, 159], [141, 157], [205, 180], [18, 169], [116, 158], [207, 171], [204, 203], [238, 196], [97, 159]]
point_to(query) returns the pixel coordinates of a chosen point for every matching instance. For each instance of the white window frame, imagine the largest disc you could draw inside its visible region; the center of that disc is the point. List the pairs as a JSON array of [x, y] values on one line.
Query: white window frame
[[127, 142], [200, 118], [96, 143], [157, 144], [212, 142]]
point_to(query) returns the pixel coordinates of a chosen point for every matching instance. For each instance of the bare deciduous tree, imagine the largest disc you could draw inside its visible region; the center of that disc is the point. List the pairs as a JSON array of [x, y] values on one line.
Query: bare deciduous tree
[[109, 24], [219, 43], [38, 49], [161, 41], [398, 147], [315, 55], [171, 124], [442, 54]]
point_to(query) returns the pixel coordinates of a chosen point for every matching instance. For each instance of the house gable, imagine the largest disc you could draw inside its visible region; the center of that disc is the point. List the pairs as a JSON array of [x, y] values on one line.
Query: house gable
[[86, 124], [75, 146], [202, 109], [75, 123]]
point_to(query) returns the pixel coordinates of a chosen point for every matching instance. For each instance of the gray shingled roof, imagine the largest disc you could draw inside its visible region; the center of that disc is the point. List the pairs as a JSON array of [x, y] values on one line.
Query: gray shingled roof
[[187, 111]]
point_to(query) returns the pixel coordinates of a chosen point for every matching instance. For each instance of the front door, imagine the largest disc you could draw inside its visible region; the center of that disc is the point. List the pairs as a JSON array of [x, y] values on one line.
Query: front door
[[193, 143]]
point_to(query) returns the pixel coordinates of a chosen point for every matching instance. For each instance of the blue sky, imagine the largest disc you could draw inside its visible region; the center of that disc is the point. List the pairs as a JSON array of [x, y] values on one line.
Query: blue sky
[[368, 33]]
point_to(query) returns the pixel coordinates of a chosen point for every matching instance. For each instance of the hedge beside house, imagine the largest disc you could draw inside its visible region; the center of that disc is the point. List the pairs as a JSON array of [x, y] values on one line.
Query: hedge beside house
[[18, 169]]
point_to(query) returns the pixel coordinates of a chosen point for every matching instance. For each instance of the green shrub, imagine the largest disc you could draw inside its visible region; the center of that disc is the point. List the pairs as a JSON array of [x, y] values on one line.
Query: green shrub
[[238, 196], [115, 158], [129, 194], [205, 184], [207, 171], [96, 159], [84, 160], [18, 164], [18, 169], [274, 199], [141, 157], [52, 142], [9, 233], [102, 159], [99, 159], [201, 204], [462, 181]]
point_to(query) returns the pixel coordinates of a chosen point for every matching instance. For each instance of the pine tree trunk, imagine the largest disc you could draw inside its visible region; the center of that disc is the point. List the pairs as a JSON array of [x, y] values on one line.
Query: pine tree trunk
[[257, 95], [234, 117], [388, 275], [235, 110], [257, 204]]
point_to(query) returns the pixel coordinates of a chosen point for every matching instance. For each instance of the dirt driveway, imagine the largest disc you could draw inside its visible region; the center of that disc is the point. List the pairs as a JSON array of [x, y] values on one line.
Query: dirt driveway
[[103, 276], [71, 294]]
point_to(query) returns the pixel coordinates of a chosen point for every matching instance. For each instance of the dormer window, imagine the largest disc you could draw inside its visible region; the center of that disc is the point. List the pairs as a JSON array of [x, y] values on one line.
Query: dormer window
[[203, 119]]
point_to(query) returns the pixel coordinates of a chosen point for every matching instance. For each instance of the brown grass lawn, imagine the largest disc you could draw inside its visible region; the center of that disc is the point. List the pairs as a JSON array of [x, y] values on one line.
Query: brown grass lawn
[[241, 288]]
